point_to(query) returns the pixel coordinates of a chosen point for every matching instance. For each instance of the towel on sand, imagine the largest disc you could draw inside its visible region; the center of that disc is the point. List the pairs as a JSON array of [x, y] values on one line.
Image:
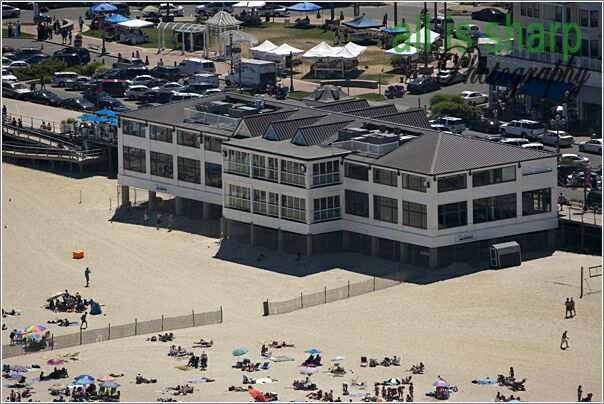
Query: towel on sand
[[485, 381], [266, 380], [281, 358]]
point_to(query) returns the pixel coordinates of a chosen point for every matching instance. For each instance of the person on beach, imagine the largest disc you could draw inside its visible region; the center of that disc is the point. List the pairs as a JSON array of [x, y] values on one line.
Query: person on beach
[[12, 336], [84, 321], [511, 372], [158, 218], [170, 222], [579, 393], [87, 276], [564, 340], [568, 310], [573, 312]]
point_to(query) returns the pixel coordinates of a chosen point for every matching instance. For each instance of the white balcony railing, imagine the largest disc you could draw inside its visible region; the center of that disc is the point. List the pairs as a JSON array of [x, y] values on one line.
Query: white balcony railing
[[297, 215], [234, 167], [268, 209], [264, 173], [553, 58], [235, 202], [326, 214], [294, 179], [324, 179]]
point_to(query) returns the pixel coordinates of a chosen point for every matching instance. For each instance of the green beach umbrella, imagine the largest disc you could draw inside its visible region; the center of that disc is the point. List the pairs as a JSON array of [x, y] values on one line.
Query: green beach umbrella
[[150, 9], [240, 351]]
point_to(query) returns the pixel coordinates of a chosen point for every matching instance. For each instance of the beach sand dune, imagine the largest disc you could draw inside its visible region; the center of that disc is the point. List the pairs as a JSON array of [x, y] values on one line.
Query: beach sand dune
[[463, 328]]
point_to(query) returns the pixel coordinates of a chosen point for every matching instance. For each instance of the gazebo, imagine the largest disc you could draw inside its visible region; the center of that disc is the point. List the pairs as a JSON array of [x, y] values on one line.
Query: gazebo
[[217, 25], [183, 29]]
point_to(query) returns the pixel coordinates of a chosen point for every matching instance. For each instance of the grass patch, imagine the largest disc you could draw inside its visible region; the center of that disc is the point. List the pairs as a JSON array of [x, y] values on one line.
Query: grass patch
[[298, 95], [277, 33], [48, 67], [151, 33], [371, 96], [384, 78], [24, 35]]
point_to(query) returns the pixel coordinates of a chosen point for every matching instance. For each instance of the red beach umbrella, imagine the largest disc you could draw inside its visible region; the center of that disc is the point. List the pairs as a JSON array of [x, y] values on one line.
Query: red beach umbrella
[[256, 395]]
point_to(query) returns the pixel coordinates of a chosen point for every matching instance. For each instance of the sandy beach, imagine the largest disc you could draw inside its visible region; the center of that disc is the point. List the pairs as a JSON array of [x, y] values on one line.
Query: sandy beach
[[463, 328]]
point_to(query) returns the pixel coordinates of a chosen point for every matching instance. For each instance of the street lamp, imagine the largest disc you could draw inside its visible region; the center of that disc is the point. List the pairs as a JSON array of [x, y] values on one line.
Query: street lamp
[[558, 122]]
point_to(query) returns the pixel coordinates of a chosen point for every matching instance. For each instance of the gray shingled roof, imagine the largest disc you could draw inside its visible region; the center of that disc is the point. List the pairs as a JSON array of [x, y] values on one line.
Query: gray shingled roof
[[439, 153], [327, 94], [258, 124], [344, 106], [372, 112], [317, 134], [414, 117], [286, 129]]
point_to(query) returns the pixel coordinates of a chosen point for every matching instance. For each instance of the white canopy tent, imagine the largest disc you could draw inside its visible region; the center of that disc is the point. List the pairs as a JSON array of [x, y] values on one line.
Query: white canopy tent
[[403, 50], [285, 50], [432, 37], [334, 59], [135, 24], [258, 51]]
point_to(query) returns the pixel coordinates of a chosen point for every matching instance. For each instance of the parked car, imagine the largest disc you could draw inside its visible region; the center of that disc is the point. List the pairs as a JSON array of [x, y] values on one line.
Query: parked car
[[471, 30], [273, 9], [45, 97], [60, 78], [6, 61], [70, 59], [129, 73], [594, 199], [449, 77], [112, 104], [149, 105], [550, 137], [7, 75], [170, 87], [199, 88], [133, 91], [157, 82], [38, 18], [80, 83], [591, 146], [171, 9], [203, 78], [15, 89], [195, 65], [92, 94], [183, 96], [514, 142], [83, 53], [523, 128], [24, 53], [212, 91], [17, 64], [437, 24], [212, 8], [40, 57], [474, 98], [494, 138], [533, 146], [572, 159], [171, 73], [423, 85], [489, 14], [124, 63], [8, 49], [10, 11], [78, 104], [116, 88], [485, 125], [147, 97], [452, 123], [441, 128], [141, 80]]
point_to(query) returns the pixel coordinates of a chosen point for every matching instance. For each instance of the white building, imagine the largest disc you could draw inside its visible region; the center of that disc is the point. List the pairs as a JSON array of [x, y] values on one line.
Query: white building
[[309, 181]]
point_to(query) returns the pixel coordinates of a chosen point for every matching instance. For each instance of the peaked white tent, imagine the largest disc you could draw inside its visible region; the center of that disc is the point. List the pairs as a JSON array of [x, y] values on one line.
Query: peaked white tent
[[260, 50], [324, 51], [136, 24], [355, 49], [286, 50], [403, 50], [432, 37]]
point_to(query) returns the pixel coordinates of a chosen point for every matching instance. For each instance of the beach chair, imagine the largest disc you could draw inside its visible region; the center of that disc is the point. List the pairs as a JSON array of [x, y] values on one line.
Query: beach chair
[[238, 365], [266, 366], [257, 367], [364, 362], [247, 380], [373, 363]]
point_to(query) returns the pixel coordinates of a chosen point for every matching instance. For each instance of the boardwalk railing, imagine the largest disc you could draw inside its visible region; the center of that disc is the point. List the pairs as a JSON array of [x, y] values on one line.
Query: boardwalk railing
[[50, 152], [343, 292], [118, 331]]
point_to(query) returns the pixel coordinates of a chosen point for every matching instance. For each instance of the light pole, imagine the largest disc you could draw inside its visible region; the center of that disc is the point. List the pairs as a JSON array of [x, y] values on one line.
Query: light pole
[[558, 122]]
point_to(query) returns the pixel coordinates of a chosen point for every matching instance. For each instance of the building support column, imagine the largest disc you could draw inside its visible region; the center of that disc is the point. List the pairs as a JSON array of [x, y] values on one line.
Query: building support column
[[433, 258], [404, 252], [252, 234], [309, 244], [346, 241], [223, 227], [125, 195], [207, 210], [152, 200], [375, 243], [551, 239], [179, 206], [279, 240]]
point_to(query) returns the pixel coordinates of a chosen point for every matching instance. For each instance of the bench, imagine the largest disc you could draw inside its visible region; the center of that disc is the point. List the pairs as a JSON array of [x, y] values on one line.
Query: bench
[[94, 47]]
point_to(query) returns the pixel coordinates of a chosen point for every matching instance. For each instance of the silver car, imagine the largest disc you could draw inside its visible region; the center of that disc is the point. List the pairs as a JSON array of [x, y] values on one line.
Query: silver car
[[79, 83]]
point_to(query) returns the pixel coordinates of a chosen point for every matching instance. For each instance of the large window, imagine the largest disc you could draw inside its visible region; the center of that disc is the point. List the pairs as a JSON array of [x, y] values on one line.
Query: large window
[[162, 165], [190, 139], [134, 159], [293, 173], [494, 176], [452, 215], [385, 209], [584, 18], [266, 168], [558, 11], [414, 182], [238, 162], [160, 133], [326, 172], [133, 128], [213, 174], [212, 143], [385, 177], [593, 18], [535, 202], [452, 183], [238, 197], [357, 203], [523, 9], [189, 170], [293, 208], [327, 208], [494, 208], [356, 171], [415, 215], [266, 203], [594, 49]]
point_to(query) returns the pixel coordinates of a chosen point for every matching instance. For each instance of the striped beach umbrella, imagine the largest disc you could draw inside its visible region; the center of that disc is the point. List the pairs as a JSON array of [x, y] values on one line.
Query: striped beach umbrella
[[34, 328], [32, 336]]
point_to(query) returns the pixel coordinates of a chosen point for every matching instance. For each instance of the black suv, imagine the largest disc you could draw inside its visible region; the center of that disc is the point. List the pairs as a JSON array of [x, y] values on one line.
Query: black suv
[[170, 73], [594, 198], [129, 73], [24, 53], [45, 97], [423, 85], [82, 52], [70, 59]]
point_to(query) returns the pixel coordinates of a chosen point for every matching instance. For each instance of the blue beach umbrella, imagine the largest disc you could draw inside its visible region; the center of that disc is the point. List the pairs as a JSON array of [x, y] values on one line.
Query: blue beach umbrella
[[83, 379], [15, 376], [313, 351], [110, 384], [304, 6], [103, 7], [18, 368], [106, 112]]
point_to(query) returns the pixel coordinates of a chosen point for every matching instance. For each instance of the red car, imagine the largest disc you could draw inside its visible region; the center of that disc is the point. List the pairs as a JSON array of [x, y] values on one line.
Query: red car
[[116, 88], [7, 48]]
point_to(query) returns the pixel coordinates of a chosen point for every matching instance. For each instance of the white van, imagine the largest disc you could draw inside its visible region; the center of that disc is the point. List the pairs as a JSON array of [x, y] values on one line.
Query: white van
[[514, 142], [60, 78], [534, 146], [203, 78], [452, 123], [195, 65]]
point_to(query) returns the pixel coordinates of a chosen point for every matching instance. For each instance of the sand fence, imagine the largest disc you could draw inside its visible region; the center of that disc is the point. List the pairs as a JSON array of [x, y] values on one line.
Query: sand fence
[[343, 292], [119, 331]]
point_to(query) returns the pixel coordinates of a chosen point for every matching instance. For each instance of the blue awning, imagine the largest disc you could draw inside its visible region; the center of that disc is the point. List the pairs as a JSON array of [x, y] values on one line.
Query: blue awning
[[553, 90], [500, 78], [116, 18], [305, 6], [395, 30], [106, 112], [103, 7]]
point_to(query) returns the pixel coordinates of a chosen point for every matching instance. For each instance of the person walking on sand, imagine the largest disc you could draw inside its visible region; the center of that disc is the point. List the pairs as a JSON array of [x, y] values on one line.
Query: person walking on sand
[[158, 218], [146, 216], [564, 340], [573, 312], [170, 221], [568, 310], [84, 321], [12, 336], [579, 393], [87, 276]]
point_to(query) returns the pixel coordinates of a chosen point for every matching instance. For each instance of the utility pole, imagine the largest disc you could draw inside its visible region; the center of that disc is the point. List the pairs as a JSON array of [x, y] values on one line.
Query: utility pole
[[426, 31], [395, 14], [333, 10], [231, 44], [291, 70], [445, 34]]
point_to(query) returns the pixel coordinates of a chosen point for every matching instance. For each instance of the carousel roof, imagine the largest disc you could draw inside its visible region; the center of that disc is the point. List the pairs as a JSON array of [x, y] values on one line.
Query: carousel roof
[[223, 19]]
